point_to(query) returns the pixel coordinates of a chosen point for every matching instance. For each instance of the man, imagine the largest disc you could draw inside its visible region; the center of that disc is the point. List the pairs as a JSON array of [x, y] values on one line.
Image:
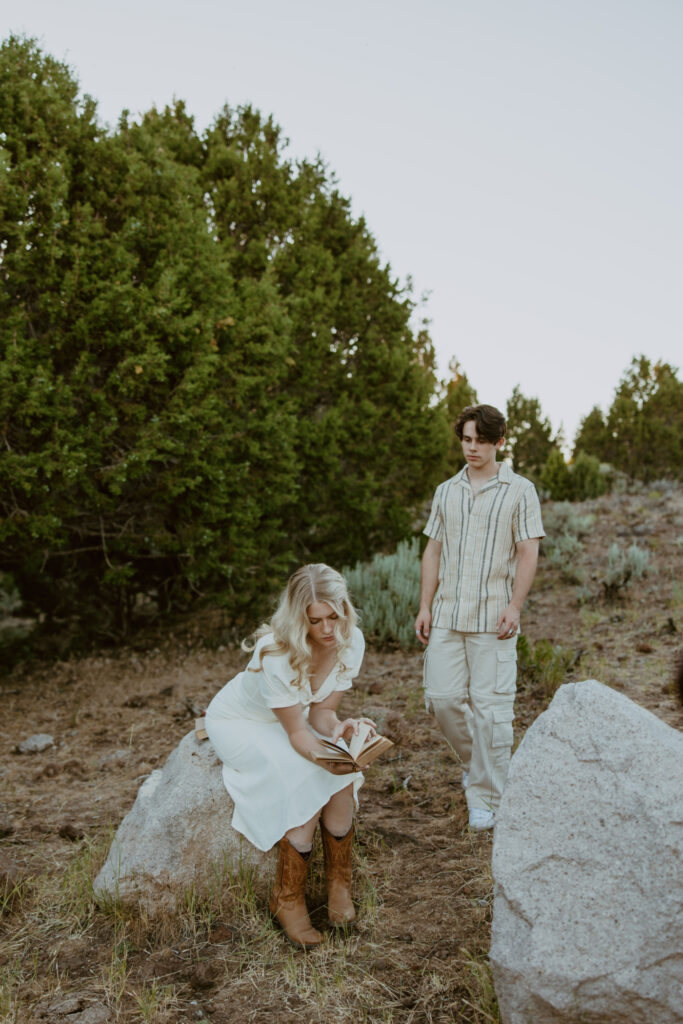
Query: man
[[484, 532]]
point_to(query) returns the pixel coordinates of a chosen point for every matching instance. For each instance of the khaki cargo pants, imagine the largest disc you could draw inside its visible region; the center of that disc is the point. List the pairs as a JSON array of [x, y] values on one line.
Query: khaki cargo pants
[[470, 684]]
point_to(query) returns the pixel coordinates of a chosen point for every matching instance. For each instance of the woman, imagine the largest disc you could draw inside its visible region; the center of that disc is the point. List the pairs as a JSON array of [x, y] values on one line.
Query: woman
[[265, 726]]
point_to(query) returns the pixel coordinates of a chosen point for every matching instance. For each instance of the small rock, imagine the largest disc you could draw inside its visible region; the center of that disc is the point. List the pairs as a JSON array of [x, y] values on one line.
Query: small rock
[[71, 955], [222, 933], [114, 760], [70, 831], [97, 1014], [137, 701], [35, 744], [7, 827], [11, 875], [204, 975], [389, 723], [63, 1007]]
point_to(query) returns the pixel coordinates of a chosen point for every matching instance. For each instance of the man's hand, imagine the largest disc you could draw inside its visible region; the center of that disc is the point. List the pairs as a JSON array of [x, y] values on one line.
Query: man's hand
[[508, 624], [423, 624]]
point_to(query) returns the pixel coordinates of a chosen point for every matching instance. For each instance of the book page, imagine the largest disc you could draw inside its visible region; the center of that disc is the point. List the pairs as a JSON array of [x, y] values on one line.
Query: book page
[[356, 743]]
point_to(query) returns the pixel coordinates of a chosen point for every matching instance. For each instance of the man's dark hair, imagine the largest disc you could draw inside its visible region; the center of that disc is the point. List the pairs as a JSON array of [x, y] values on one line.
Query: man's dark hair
[[490, 422]]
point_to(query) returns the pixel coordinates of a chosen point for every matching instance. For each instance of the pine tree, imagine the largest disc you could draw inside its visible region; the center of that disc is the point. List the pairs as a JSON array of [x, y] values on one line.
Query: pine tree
[[645, 421], [459, 393], [143, 450], [592, 436], [370, 443], [529, 434], [556, 478], [206, 373]]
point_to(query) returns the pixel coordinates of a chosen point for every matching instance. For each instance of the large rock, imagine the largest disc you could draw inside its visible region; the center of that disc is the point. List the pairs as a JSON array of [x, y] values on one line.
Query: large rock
[[587, 858], [176, 835]]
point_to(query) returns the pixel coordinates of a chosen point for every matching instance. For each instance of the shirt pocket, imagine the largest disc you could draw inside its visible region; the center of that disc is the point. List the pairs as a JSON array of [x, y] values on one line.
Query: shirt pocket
[[506, 671], [502, 734]]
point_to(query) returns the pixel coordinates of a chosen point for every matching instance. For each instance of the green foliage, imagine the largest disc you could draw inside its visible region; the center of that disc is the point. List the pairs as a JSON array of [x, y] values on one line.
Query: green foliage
[[563, 517], [206, 375], [563, 551], [623, 566], [386, 592], [565, 526], [643, 432], [556, 478], [458, 394], [529, 434], [587, 478], [592, 436], [580, 480], [544, 666]]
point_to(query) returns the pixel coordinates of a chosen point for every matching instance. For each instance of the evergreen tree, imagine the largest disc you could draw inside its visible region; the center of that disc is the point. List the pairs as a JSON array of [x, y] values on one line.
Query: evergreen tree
[[459, 393], [143, 451], [206, 374], [642, 434], [586, 478], [592, 436], [370, 444], [556, 478], [529, 434], [645, 421]]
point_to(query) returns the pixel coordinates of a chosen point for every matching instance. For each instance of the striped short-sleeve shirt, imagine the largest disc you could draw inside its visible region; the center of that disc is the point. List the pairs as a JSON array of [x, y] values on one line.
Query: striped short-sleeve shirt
[[478, 534]]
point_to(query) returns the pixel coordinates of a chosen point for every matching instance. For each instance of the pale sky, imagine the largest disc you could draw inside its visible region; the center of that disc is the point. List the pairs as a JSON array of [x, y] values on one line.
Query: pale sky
[[521, 160]]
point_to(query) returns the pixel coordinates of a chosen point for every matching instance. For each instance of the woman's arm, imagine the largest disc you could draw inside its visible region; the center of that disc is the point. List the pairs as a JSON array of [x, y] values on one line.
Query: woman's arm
[[300, 736], [323, 718]]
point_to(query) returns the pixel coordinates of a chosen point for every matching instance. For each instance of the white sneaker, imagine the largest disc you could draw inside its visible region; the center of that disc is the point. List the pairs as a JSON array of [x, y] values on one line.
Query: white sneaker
[[465, 779], [480, 819]]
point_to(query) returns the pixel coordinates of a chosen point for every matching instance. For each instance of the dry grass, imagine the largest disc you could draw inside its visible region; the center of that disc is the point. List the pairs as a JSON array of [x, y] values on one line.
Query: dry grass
[[422, 881]]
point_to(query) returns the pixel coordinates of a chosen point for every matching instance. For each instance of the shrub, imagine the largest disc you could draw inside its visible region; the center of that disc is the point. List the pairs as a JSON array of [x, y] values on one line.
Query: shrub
[[623, 566], [562, 547], [207, 375], [562, 553], [556, 477], [587, 478], [563, 517], [386, 592], [544, 666], [583, 478]]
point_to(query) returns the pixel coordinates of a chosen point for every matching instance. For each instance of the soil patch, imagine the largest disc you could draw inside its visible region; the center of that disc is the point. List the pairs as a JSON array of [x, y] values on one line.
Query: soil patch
[[422, 880]]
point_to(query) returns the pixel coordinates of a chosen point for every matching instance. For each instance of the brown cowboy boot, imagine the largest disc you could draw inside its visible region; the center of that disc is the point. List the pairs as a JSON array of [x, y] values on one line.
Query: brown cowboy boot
[[287, 900], [340, 909]]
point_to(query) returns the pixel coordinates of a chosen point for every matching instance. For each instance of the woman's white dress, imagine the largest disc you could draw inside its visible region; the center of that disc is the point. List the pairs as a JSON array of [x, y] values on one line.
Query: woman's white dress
[[273, 787]]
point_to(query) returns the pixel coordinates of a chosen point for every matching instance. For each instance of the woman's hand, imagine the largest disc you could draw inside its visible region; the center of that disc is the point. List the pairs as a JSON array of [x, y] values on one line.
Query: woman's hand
[[350, 727]]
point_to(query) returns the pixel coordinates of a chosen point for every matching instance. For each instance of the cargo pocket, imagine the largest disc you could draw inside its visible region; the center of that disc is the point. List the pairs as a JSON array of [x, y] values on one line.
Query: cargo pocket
[[506, 671], [502, 728]]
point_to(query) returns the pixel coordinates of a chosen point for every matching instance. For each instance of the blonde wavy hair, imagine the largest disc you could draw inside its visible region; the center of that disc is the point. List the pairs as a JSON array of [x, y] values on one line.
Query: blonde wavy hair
[[289, 625]]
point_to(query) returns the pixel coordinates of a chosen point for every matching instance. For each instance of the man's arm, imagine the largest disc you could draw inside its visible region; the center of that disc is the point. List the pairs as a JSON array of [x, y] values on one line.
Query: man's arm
[[429, 581], [527, 560]]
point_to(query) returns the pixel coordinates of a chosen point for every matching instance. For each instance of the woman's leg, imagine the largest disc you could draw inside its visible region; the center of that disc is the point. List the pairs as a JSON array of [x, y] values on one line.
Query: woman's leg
[[288, 899], [301, 837], [337, 833], [338, 813]]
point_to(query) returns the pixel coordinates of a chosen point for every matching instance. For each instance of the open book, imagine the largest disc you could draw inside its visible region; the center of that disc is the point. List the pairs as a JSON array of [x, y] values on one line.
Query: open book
[[363, 749]]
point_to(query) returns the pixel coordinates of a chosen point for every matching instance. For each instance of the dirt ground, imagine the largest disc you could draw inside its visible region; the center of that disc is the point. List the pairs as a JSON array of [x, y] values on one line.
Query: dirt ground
[[423, 882]]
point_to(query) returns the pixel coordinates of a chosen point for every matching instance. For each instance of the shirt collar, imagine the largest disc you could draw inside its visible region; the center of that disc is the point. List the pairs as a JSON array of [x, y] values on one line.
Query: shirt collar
[[503, 476]]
